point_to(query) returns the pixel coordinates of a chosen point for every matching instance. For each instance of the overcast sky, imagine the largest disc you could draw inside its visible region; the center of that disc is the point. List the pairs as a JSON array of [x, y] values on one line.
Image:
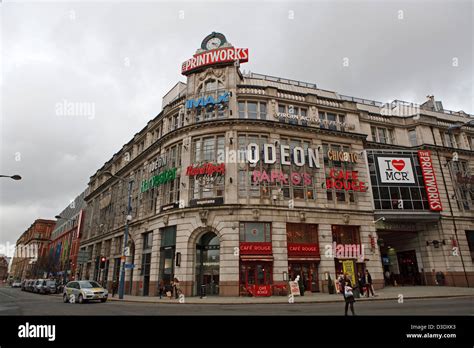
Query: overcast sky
[[121, 58]]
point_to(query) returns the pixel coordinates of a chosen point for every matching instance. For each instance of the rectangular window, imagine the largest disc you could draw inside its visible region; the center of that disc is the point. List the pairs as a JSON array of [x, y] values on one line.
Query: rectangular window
[[255, 232], [301, 233], [470, 242], [332, 121], [381, 135], [412, 137], [253, 110], [345, 234], [147, 240], [448, 139]]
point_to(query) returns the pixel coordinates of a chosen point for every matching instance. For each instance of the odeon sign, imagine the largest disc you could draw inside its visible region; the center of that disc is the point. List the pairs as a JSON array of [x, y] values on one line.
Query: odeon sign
[[205, 101]]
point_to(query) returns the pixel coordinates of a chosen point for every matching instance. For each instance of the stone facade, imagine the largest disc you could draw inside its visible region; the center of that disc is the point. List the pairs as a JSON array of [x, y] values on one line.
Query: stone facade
[[357, 126]]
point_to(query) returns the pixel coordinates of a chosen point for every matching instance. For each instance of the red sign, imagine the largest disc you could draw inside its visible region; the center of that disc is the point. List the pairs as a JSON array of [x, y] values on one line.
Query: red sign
[[260, 290], [303, 249], [206, 169], [222, 55], [255, 248], [431, 186], [347, 180]]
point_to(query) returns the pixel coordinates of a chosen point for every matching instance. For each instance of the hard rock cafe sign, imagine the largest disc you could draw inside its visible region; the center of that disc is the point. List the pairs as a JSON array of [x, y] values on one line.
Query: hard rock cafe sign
[[206, 173]]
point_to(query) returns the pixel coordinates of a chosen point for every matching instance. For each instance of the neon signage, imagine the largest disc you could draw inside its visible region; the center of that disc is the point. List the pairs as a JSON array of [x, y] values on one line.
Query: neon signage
[[280, 177], [215, 56], [298, 155], [205, 101], [434, 200], [157, 180], [347, 180]]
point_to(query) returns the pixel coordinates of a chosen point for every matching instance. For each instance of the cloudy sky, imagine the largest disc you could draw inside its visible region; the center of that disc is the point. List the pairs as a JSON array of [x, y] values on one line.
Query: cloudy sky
[[119, 59]]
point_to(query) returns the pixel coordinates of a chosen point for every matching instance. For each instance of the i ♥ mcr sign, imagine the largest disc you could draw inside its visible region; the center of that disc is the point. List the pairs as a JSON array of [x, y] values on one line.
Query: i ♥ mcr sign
[[399, 171], [396, 170]]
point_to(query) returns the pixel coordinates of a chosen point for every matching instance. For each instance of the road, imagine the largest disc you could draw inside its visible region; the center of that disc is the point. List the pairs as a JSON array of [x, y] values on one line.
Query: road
[[17, 302]]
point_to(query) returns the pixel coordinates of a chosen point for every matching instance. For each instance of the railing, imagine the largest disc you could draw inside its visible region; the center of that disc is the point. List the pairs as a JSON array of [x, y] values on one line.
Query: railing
[[252, 75]]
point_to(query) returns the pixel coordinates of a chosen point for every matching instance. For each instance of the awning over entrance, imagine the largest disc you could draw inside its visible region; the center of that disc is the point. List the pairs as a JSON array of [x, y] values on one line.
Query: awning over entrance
[[405, 216]]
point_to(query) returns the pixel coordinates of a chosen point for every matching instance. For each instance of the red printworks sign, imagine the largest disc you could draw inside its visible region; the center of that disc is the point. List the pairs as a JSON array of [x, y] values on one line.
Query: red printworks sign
[[431, 186]]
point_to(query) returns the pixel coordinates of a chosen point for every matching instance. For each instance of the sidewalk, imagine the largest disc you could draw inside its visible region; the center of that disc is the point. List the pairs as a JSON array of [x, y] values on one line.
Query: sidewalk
[[408, 292]]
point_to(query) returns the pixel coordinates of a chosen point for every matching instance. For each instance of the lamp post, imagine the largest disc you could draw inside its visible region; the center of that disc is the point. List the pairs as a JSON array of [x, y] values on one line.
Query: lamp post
[[14, 177], [125, 239], [69, 246]]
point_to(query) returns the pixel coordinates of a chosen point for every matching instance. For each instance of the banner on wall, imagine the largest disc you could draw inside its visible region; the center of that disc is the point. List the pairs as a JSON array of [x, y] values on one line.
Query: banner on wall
[[431, 186], [396, 170], [348, 267]]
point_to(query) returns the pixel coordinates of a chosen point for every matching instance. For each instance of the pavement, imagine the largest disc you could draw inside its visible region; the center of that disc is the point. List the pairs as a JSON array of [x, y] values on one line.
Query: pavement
[[387, 293], [14, 302]]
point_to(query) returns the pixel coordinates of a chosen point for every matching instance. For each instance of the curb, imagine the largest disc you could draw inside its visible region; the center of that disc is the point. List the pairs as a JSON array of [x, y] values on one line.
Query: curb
[[273, 302]]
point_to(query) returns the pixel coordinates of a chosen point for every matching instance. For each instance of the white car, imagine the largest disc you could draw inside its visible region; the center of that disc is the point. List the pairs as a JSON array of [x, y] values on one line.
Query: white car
[[16, 284], [84, 290]]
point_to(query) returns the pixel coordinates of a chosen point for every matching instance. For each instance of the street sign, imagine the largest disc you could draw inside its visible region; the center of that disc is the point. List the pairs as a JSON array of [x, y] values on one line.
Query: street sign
[[129, 266], [82, 256]]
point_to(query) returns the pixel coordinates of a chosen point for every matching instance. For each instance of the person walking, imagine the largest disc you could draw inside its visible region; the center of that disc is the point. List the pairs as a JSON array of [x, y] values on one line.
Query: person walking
[[340, 283], [177, 290], [361, 283], [114, 287], [348, 296], [368, 286], [387, 277], [161, 288]]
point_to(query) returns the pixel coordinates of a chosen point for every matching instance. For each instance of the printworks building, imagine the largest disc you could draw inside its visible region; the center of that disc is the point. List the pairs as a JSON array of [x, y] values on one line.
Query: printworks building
[[244, 181]]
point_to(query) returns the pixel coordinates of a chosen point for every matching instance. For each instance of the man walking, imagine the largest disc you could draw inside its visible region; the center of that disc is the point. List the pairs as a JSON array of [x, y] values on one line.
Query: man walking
[[368, 281]]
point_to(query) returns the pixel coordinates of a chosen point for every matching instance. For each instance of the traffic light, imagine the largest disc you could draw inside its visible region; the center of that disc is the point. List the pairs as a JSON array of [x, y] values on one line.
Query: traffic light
[[102, 262]]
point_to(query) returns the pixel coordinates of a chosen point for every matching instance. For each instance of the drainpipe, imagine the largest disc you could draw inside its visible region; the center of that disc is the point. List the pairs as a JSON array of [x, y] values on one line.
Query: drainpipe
[[450, 209]]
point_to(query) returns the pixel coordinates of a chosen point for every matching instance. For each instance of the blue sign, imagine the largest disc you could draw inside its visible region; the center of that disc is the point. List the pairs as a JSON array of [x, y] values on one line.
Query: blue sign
[[205, 101], [129, 266]]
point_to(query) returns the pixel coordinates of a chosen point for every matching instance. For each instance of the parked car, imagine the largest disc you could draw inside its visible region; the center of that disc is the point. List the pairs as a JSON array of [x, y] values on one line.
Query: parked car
[[45, 286], [30, 286], [83, 291], [16, 284]]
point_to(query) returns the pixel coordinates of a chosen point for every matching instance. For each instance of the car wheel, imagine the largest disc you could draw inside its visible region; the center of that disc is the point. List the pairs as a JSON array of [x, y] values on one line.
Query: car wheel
[[103, 300], [81, 299], [65, 299]]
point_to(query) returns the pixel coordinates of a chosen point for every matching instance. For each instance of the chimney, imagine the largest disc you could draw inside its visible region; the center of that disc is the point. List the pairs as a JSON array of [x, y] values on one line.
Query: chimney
[[431, 104]]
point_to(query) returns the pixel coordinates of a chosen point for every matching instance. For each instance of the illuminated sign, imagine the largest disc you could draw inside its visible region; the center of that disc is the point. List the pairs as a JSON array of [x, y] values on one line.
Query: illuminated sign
[[205, 101], [343, 156], [157, 180], [395, 170], [434, 200], [255, 248], [215, 56], [208, 169], [303, 249], [347, 180], [280, 177], [298, 155]]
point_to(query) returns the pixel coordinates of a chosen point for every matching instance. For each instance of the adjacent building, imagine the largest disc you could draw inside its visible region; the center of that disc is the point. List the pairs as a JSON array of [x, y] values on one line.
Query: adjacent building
[[65, 239], [30, 258], [245, 181]]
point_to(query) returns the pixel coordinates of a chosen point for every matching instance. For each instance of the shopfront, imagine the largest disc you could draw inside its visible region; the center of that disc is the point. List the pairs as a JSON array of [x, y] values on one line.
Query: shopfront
[[303, 254], [349, 254], [256, 259]]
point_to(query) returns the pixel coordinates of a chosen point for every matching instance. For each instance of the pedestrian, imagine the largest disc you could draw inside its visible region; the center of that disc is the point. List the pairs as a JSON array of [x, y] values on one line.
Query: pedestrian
[[387, 277], [161, 288], [114, 287], [340, 284], [176, 288], [368, 286], [349, 296], [361, 282]]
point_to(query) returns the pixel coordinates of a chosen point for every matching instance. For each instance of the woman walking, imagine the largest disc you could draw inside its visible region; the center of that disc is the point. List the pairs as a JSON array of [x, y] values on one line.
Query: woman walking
[[349, 296]]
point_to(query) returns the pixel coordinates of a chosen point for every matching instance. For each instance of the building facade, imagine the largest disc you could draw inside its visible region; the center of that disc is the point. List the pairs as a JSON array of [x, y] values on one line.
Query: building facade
[[245, 181], [31, 252], [65, 239]]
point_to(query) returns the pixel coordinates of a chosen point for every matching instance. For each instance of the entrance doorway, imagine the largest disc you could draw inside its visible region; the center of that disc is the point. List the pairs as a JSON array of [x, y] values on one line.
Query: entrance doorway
[[408, 266], [256, 278], [207, 265], [308, 272]]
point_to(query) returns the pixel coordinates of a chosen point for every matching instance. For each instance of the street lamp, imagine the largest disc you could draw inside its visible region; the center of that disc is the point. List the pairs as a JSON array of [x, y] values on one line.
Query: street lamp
[[125, 239], [14, 177], [69, 246]]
